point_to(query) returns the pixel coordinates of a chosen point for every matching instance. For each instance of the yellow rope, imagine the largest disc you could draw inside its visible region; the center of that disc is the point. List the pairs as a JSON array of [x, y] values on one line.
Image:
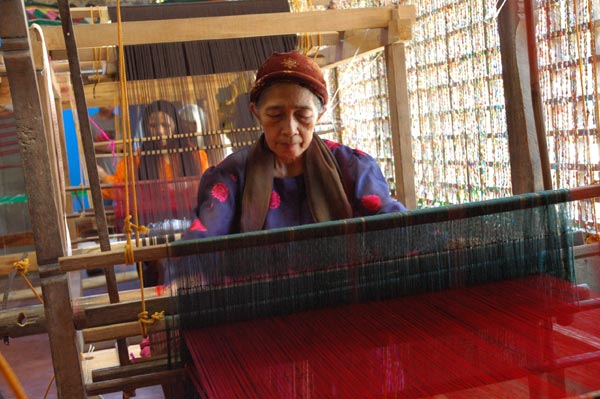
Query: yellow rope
[[591, 238], [128, 226], [22, 266], [146, 321], [48, 387], [11, 378]]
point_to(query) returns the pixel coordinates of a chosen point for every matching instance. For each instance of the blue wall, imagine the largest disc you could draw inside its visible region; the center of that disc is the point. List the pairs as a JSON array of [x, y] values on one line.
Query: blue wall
[[75, 167]]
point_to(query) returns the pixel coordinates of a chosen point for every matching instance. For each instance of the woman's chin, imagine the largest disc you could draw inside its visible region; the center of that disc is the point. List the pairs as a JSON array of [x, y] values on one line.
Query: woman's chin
[[290, 157]]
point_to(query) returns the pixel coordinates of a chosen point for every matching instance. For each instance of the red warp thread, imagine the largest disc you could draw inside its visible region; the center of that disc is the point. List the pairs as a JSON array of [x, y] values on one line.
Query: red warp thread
[[499, 339]]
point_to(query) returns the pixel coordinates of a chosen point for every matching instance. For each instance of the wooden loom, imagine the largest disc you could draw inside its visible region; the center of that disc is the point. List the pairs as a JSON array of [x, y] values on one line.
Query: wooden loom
[[97, 321], [210, 308], [387, 26]]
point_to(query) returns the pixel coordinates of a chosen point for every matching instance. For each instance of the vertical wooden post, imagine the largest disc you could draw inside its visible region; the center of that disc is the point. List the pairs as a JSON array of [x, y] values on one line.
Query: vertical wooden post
[[43, 204], [46, 96], [87, 140], [536, 95], [525, 161], [395, 61]]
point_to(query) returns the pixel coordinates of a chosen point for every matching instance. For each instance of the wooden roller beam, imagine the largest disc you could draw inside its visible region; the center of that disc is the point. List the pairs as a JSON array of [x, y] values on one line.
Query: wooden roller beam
[[29, 320], [23, 321]]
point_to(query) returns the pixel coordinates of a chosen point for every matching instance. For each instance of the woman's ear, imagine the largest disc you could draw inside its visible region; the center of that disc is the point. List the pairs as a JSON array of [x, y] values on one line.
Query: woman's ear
[[254, 111], [322, 112]]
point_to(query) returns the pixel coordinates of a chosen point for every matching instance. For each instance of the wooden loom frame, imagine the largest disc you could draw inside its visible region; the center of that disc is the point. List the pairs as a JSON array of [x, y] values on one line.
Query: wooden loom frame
[[26, 63], [387, 27]]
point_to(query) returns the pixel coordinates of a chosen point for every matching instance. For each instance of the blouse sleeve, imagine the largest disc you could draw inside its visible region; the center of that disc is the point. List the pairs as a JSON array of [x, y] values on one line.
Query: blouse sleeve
[[366, 184], [218, 196]]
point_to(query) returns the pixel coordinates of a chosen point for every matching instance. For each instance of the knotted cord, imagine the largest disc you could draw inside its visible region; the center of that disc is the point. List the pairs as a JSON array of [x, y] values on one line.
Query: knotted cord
[[22, 266], [129, 227]]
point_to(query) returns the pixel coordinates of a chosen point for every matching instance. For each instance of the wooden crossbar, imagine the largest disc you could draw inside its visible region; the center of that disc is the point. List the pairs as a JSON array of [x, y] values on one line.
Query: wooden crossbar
[[238, 26]]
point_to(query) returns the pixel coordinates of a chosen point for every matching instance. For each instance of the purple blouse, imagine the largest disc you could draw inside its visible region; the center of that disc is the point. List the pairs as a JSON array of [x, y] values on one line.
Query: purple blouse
[[221, 188]]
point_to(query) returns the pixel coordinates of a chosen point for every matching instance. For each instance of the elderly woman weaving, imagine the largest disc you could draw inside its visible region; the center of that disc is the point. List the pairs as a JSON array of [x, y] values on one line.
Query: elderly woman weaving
[[290, 176]]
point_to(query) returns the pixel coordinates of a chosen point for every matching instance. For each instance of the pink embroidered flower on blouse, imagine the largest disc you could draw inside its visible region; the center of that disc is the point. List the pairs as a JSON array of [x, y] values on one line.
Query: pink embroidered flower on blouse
[[233, 177], [275, 200], [372, 202], [331, 144], [197, 225], [220, 192]]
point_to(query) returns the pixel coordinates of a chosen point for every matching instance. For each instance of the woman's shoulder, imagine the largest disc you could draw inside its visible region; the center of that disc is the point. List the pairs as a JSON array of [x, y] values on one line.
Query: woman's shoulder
[[232, 168], [235, 160], [345, 154]]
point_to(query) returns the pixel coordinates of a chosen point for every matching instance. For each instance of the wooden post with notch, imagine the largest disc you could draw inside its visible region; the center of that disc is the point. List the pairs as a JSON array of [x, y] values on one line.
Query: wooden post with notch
[[525, 160]]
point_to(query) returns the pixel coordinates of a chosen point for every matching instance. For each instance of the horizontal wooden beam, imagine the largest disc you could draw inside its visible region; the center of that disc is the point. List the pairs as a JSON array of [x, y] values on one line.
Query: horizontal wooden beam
[[100, 281], [238, 26], [80, 304], [354, 44], [119, 330], [30, 320], [7, 262], [17, 239], [123, 312], [110, 258], [100, 13], [586, 250], [134, 382], [143, 367], [23, 321]]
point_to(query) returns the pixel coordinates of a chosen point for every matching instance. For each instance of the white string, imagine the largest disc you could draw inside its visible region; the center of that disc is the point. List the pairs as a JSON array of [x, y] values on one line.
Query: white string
[[494, 13], [86, 359]]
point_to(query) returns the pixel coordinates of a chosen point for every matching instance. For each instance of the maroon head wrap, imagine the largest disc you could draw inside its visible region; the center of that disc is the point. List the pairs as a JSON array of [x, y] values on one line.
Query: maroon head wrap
[[290, 67]]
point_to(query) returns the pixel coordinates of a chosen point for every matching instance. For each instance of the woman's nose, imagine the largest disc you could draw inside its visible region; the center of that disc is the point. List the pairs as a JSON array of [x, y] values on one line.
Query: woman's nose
[[162, 131], [290, 126]]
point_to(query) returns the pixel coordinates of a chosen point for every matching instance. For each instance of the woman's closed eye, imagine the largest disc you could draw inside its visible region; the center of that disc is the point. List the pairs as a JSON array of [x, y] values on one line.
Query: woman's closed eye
[[275, 115], [304, 116]]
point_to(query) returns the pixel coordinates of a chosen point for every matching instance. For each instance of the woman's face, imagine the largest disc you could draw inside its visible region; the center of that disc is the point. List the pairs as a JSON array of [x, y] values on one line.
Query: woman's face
[[288, 114], [161, 124]]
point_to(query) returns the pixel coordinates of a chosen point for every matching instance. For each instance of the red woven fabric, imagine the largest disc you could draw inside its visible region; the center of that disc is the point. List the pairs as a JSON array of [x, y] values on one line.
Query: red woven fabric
[[495, 340]]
